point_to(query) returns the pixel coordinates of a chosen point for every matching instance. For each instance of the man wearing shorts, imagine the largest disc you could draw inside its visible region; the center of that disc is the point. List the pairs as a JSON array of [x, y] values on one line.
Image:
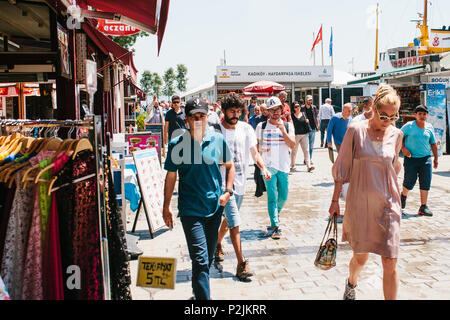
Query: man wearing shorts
[[241, 140], [418, 144]]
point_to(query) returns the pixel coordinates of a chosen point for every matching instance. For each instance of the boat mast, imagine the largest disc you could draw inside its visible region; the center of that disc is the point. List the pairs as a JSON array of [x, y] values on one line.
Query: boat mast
[[424, 39], [376, 44]]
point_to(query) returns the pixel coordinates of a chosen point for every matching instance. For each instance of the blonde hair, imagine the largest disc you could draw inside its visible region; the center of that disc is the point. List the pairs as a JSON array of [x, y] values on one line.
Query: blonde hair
[[386, 95]]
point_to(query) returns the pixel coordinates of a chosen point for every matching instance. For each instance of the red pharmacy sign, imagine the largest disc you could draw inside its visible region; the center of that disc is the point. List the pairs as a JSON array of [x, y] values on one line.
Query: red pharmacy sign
[[116, 29]]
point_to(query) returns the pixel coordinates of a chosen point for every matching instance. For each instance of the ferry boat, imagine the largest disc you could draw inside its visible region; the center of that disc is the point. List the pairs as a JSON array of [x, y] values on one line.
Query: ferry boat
[[425, 51]]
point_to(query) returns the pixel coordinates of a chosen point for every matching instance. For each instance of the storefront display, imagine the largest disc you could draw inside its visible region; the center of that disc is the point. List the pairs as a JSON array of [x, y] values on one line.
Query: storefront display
[[58, 217], [410, 97]]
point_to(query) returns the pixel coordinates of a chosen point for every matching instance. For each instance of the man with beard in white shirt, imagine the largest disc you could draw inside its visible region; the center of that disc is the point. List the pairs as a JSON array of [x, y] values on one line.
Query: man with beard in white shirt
[[242, 142]]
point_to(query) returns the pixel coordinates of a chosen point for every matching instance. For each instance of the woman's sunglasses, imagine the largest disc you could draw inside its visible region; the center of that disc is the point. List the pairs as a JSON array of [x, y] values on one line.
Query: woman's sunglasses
[[386, 118]]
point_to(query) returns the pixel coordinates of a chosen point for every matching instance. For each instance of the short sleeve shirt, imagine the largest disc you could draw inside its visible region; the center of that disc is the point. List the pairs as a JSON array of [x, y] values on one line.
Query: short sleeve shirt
[[418, 141], [275, 151], [239, 140], [175, 120], [200, 181]]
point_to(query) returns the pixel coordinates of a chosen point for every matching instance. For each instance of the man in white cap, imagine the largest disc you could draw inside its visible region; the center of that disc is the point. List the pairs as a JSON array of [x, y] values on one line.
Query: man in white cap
[[275, 140]]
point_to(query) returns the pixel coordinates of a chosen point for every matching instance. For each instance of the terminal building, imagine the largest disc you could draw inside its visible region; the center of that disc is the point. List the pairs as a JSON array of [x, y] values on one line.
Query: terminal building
[[319, 81]]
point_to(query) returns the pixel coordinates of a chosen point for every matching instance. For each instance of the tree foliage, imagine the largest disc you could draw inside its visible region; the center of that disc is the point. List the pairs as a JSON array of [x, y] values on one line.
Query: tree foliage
[[151, 83], [181, 77], [169, 82], [128, 41]]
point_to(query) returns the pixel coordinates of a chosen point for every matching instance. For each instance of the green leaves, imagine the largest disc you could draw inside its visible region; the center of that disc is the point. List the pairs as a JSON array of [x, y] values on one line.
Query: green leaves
[[171, 81]]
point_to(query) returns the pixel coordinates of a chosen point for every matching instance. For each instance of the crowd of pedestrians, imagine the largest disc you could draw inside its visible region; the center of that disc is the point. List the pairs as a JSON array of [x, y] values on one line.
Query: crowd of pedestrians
[[211, 145]]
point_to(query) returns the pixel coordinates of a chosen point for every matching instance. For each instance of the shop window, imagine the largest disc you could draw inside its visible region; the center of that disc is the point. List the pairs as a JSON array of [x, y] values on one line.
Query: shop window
[[352, 92]]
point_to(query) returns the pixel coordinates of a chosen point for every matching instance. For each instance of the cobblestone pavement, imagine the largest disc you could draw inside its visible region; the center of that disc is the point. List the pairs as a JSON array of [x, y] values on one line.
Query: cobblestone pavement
[[284, 269]]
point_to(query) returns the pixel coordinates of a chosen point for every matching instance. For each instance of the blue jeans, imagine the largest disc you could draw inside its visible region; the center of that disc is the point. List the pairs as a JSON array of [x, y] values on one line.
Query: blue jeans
[[323, 128], [201, 237], [277, 194], [312, 137]]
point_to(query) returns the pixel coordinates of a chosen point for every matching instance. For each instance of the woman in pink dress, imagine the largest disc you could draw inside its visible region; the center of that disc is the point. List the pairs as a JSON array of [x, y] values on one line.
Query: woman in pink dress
[[368, 161]]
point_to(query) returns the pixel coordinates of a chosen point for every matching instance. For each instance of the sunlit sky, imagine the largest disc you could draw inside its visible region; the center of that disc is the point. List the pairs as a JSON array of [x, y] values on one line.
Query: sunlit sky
[[280, 32]]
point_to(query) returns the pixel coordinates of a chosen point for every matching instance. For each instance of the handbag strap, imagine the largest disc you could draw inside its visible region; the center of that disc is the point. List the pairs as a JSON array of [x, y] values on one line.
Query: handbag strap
[[330, 224]]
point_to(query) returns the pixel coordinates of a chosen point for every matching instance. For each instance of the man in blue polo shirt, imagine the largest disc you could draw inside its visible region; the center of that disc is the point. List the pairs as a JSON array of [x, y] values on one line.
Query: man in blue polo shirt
[[418, 143], [196, 155], [338, 126]]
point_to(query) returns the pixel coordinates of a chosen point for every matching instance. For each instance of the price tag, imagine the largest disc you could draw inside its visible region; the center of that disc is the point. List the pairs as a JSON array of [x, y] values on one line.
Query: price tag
[[154, 272]]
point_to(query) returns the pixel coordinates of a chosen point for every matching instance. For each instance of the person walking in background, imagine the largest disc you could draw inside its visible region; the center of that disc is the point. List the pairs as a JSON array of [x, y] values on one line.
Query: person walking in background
[[259, 181], [156, 115], [200, 199], [338, 126], [251, 106], [241, 139], [312, 115], [367, 111], [301, 136], [253, 121], [175, 120], [326, 112], [275, 140], [419, 144], [264, 112], [286, 111], [369, 161]]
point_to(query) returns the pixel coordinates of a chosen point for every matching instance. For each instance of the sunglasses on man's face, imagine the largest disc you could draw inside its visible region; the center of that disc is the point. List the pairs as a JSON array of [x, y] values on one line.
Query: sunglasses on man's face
[[387, 118], [175, 102]]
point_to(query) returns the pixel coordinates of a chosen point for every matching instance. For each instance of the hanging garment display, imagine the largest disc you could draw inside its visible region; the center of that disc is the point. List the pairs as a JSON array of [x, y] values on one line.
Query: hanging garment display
[[50, 221]]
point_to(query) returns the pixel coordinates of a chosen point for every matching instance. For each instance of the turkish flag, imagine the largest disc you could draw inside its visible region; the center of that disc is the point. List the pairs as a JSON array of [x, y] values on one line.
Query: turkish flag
[[318, 38]]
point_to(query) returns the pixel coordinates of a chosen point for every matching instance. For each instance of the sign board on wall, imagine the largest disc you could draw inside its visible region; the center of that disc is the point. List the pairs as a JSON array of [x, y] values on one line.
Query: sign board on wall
[[436, 103], [114, 28], [278, 74], [144, 140]]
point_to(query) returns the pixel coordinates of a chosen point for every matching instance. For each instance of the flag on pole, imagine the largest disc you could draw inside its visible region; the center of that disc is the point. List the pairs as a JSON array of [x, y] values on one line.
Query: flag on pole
[[331, 43], [318, 38]]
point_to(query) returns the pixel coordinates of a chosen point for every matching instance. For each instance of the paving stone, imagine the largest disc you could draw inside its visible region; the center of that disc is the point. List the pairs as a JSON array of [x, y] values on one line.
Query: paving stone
[[285, 269]]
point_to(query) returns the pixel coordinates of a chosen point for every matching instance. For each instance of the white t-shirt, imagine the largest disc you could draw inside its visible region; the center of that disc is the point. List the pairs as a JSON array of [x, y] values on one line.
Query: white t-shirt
[[278, 156], [358, 118], [239, 140], [213, 117]]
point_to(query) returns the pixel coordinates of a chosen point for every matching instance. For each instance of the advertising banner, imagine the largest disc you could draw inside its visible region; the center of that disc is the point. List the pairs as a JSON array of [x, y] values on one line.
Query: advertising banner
[[251, 74], [436, 103]]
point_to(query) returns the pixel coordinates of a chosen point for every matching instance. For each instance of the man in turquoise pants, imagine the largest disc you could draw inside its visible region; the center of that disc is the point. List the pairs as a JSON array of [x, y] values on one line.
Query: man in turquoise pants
[[275, 140]]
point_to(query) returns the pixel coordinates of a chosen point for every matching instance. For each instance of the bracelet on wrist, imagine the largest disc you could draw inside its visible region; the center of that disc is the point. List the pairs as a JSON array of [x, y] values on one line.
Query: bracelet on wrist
[[334, 200]]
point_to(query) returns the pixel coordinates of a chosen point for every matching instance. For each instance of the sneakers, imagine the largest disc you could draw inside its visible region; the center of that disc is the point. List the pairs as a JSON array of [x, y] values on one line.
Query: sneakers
[[243, 272], [276, 234], [350, 291], [425, 211], [218, 254]]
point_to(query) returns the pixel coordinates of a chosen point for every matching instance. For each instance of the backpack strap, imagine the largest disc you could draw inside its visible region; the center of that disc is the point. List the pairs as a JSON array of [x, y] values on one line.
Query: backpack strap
[[217, 127], [286, 126], [263, 126]]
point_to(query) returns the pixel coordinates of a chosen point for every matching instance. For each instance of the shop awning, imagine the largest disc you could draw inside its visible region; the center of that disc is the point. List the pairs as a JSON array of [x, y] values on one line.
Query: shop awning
[[380, 75], [106, 45], [146, 15], [139, 92]]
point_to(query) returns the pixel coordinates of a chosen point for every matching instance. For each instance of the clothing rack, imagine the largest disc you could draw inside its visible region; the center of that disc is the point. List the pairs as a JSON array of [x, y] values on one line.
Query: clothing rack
[[95, 134]]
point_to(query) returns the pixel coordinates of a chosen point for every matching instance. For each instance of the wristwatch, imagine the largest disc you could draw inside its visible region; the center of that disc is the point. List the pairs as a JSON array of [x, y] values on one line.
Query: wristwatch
[[229, 191]]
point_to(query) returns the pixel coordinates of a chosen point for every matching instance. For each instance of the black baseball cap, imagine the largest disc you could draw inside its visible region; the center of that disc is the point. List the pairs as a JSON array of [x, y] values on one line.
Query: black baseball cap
[[421, 108], [196, 105]]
